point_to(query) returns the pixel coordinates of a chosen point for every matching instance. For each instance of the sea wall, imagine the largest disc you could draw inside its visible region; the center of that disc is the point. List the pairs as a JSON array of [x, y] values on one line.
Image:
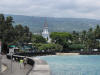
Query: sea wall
[[39, 67]]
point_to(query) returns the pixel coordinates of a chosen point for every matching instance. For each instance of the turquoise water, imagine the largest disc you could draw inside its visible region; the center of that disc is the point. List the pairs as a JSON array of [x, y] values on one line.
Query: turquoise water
[[74, 65]]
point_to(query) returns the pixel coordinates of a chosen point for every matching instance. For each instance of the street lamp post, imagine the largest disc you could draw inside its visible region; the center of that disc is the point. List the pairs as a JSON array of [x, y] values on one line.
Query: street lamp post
[[11, 52]]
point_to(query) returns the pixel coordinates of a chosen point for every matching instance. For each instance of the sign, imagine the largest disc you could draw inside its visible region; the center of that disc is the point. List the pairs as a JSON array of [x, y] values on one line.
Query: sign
[[95, 49], [0, 46], [11, 51]]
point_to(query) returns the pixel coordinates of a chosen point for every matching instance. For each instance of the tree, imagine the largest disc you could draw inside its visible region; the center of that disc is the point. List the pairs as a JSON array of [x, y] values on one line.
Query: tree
[[38, 39], [51, 47], [12, 35], [76, 46], [23, 34], [97, 32], [75, 37], [61, 38], [83, 36], [6, 31], [2, 25]]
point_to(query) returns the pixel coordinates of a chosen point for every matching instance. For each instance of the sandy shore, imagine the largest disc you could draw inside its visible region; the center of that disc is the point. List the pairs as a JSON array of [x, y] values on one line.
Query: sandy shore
[[63, 54]]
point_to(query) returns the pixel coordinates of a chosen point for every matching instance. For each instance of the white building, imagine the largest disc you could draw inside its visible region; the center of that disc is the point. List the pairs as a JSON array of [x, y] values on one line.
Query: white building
[[45, 32]]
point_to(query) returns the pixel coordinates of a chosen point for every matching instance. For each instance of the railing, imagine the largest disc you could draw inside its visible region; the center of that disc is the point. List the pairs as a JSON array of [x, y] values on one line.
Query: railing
[[30, 54], [18, 58]]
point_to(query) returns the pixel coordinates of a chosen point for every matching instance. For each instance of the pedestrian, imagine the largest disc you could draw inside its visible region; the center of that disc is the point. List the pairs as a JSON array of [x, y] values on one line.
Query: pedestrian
[[16, 59], [25, 62], [21, 63], [13, 59]]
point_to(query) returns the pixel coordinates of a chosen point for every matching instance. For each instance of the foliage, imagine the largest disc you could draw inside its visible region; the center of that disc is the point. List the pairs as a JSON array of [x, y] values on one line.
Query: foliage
[[51, 47], [37, 45], [61, 38], [12, 35], [90, 39], [38, 39], [76, 46]]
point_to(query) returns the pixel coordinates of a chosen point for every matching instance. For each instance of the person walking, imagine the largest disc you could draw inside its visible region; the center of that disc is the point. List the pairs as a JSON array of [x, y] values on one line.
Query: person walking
[[25, 62], [21, 63]]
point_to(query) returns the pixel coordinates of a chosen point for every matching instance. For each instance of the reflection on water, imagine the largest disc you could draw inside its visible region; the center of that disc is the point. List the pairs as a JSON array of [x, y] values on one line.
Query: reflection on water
[[74, 65]]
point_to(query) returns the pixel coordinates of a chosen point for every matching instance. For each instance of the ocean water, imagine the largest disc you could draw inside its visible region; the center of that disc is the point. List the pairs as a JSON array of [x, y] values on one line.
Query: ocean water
[[74, 65]]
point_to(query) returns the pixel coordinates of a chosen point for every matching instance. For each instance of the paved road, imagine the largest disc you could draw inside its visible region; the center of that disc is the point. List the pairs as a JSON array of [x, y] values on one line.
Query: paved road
[[16, 68]]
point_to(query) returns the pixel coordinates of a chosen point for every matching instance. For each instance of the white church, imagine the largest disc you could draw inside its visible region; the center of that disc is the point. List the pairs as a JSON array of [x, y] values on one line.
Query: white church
[[45, 32]]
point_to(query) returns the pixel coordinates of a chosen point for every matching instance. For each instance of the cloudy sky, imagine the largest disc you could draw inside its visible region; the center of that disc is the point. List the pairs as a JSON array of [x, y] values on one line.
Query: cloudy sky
[[52, 8]]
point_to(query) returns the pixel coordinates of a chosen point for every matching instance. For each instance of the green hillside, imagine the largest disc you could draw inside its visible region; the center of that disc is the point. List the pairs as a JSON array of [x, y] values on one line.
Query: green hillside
[[55, 24]]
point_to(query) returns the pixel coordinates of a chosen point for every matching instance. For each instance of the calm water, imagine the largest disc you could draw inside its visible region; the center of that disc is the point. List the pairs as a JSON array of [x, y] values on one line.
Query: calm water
[[74, 65]]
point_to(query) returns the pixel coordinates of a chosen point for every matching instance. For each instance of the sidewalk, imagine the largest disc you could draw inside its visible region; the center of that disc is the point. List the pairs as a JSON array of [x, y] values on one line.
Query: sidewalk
[[40, 68], [15, 69], [3, 68]]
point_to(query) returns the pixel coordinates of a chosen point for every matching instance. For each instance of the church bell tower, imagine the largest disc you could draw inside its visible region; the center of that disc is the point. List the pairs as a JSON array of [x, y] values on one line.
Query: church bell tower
[[45, 32]]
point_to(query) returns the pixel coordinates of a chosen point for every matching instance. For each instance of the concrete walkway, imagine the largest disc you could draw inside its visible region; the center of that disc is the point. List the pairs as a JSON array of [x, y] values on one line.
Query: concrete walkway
[[3, 68], [40, 68], [15, 69]]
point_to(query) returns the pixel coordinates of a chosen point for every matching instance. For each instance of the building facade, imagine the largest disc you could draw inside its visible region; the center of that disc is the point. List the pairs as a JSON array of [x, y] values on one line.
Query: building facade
[[45, 32]]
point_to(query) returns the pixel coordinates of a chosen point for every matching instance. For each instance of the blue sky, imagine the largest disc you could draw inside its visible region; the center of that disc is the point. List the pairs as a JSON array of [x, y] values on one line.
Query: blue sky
[[52, 8]]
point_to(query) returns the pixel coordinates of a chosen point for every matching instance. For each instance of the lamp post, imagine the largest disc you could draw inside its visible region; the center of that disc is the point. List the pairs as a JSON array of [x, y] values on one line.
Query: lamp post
[[11, 51]]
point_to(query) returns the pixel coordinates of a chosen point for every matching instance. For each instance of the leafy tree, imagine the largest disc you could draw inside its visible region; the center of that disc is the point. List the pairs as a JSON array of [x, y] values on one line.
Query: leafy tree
[[83, 36], [51, 47], [75, 37], [2, 25], [12, 35], [76, 46], [97, 32], [38, 39], [61, 38]]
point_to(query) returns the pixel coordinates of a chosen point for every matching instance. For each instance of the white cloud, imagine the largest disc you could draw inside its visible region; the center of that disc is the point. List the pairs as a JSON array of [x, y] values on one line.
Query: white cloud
[[52, 8]]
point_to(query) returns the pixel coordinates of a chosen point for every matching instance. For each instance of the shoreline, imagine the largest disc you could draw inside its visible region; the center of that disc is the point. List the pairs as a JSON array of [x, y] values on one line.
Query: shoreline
[[62, 54]]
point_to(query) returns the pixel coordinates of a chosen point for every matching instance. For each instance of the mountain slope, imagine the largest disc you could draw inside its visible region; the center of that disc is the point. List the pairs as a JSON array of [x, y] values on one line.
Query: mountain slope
[[55, 24]]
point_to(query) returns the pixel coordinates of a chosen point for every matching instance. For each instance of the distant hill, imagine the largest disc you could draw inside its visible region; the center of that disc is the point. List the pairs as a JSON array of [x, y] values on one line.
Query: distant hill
[[55, 24]]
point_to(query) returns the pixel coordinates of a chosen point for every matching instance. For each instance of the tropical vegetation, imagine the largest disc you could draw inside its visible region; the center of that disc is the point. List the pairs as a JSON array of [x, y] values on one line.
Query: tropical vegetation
[[11, 34]]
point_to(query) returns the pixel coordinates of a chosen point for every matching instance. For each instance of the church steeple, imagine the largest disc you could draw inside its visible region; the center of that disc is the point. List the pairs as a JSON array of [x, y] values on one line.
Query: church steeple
[[45, 24], [45, 32]]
